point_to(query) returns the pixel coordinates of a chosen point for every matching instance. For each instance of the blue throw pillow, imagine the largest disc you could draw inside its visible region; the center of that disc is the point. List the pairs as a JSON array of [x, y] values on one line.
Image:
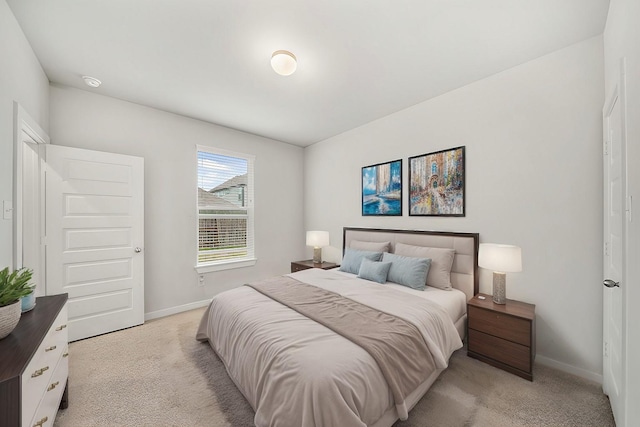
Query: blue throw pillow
[[408, 271], [374, 271], [353, 257]]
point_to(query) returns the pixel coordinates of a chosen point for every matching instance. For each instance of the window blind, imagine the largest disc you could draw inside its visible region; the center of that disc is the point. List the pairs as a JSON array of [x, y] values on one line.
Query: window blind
[[225, 207]]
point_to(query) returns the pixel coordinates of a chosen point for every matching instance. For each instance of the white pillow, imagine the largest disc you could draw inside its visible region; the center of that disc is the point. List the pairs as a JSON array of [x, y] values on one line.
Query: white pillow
[[370, 246], [441, 261]]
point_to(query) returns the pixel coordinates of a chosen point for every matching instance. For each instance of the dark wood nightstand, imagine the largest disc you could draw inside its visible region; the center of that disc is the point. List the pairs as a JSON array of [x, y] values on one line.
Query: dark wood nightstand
[[502, 335], [308, 263]]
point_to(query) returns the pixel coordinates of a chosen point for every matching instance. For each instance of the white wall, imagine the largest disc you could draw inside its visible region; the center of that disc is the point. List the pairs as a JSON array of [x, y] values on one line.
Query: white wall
[[534, 179], [23, 80], [168, 144], [622, 39]]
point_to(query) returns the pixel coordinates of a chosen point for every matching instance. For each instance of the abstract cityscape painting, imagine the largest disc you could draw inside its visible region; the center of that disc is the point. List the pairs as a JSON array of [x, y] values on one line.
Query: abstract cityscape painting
[[382, 189], [436, 183]]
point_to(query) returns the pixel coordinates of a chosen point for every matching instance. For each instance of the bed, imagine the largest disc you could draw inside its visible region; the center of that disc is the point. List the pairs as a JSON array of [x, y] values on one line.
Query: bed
[[295, 371]]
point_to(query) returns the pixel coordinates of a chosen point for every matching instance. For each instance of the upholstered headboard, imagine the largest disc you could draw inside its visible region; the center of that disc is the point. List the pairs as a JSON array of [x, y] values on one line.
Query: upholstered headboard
[[464, 272]]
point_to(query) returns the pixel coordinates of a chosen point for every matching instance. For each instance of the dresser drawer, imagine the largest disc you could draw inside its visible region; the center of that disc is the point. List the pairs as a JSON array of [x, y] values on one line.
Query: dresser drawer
[[507, 352], [23, 353], [500, 325], [48, 408], [39, 372]]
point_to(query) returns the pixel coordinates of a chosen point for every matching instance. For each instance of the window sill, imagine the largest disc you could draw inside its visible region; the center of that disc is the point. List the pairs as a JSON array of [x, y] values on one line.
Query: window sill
[[226, 265]]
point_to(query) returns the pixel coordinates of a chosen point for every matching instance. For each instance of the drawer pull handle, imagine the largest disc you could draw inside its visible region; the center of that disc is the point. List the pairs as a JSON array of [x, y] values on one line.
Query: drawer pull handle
[[39, 372], [53, 347], [66, 354], [59, 328], [53, 385], [41, 422]]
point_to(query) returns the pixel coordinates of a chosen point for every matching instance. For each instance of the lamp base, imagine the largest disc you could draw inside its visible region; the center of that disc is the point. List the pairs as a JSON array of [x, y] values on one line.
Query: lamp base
[[499, 288], [317, 255]]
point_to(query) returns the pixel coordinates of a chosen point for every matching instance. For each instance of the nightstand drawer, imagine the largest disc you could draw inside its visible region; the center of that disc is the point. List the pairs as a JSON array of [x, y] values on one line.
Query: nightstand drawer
[[500, 325], [308, 263], [298, 267], [510, 353]]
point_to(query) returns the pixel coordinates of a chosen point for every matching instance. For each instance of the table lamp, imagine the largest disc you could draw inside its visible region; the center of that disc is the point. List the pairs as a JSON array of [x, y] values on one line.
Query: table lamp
[[317, 239], [501, 259]]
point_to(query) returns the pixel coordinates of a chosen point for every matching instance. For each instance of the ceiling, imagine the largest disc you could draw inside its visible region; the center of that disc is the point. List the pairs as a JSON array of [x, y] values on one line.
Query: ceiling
[[358, 60]]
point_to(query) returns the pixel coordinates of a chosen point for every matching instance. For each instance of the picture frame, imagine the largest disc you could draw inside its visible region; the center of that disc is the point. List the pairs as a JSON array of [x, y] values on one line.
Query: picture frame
[[437, 183], [381, 193]]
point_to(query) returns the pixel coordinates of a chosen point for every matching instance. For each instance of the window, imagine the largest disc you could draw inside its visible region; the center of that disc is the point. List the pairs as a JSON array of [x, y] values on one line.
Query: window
[[225, 210]]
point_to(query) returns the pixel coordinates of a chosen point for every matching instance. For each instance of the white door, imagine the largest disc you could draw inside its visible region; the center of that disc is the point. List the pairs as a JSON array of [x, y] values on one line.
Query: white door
[[94, 237], [614, 313]]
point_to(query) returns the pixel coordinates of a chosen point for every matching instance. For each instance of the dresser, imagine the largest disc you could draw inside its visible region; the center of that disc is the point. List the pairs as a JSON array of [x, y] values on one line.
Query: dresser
[[306, 264], [34, 365], [502, 335]]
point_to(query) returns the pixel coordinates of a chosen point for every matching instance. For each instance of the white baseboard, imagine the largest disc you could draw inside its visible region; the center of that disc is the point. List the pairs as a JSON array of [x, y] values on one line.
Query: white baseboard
[[175, 310], [579, 372]]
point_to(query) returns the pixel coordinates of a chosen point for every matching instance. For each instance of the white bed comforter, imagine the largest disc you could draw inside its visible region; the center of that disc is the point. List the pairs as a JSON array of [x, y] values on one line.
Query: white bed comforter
[[296, 372]]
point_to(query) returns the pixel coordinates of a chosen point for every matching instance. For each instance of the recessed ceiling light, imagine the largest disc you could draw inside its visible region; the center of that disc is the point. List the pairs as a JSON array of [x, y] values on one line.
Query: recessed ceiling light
[[283, 62], [91, 81]]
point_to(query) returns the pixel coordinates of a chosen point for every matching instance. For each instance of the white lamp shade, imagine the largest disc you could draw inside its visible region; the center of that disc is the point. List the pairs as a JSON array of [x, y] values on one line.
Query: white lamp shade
[[502, 258], [283, 62], [317, 239]]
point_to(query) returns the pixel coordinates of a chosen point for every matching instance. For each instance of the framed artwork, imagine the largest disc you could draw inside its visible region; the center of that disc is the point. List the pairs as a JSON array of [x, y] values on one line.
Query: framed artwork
[[382, 189], [436, 183]]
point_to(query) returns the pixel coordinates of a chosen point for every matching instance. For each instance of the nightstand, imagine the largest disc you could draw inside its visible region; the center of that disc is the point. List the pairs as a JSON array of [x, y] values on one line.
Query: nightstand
[[502, 335], [308, 263]]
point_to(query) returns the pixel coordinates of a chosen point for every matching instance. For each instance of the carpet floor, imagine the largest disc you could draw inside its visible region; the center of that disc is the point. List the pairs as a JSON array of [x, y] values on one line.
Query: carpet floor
[[157, 374]]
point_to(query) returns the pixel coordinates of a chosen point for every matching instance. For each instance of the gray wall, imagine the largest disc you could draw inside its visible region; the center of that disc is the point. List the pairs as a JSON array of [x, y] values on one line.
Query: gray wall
[[23, 80], [534, 179], [168, 144]]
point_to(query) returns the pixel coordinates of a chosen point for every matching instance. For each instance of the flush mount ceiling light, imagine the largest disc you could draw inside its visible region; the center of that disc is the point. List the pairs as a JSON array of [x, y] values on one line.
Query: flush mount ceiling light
[[91, 81], [283, 62]]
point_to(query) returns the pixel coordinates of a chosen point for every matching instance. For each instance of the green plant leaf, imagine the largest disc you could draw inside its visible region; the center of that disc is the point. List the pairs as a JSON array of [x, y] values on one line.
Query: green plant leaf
[[14, 285]]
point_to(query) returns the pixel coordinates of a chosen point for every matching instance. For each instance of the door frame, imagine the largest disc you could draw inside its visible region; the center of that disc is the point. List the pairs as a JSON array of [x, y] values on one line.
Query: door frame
[[618, 95], [23, 123]]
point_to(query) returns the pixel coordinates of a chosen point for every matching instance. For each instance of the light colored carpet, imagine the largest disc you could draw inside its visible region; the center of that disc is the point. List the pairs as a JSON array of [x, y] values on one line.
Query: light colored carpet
[[159, 375]]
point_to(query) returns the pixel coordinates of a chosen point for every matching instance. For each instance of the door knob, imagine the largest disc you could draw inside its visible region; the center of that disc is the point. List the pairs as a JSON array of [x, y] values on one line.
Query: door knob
[[138, 250], [611, 283]]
